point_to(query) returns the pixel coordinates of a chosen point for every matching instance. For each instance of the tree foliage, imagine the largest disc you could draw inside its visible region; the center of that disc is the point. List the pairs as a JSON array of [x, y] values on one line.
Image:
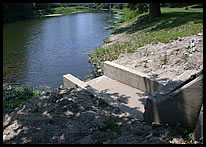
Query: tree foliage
[[19, 11], [139, 7]]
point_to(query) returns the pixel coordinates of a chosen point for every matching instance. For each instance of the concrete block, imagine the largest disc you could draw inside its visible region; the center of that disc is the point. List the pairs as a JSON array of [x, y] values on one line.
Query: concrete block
[[131, 77], [72, 82], [111, 91], [179, 106]]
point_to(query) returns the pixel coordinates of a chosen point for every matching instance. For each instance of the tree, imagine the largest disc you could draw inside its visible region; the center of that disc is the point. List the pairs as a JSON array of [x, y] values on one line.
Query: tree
[[138, 7], [154, 10], [17, 11]]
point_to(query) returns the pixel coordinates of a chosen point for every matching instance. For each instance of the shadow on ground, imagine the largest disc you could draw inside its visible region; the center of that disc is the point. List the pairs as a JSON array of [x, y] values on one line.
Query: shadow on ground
[[167, 21], [72, 116]]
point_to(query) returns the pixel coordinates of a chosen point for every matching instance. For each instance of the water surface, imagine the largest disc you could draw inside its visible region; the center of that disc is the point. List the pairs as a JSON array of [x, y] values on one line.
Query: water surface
[[40, 51]]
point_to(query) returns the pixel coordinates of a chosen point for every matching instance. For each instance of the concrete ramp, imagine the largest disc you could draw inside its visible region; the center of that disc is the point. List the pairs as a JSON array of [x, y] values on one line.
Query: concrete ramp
[[128, 99], [147, 99]]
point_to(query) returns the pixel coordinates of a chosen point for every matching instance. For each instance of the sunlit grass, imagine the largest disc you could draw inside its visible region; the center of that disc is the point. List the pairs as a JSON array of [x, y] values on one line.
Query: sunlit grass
[[69, 9], [174, 23]]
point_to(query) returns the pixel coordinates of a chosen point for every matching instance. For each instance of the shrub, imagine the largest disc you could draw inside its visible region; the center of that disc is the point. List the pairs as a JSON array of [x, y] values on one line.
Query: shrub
[[15, 95]]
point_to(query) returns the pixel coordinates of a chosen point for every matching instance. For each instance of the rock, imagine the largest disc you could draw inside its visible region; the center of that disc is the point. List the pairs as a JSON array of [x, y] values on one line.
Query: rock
[[192, 45], [145, 65], [43, 93], [179, 39], [199, 34], [4, 137], [62, 92], [177, 141], [99, 71]]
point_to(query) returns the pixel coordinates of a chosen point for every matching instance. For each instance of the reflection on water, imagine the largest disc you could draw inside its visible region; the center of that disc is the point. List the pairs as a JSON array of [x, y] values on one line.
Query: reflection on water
[[40, 51]]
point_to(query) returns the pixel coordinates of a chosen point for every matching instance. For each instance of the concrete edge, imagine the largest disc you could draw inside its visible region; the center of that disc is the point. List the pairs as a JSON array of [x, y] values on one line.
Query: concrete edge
[[71, 81], [175, 84], [180, 106], [131, 77]]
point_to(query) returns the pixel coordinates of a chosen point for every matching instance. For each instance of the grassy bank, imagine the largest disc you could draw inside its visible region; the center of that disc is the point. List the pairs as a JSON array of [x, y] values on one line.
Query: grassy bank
[[137, 31], [14, 95], [65, 10]]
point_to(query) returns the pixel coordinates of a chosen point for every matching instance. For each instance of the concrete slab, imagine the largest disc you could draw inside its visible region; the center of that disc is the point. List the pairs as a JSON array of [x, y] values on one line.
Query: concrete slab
[[135, 93], [72, 82], [132, 77], [128, 99], [179, 106]]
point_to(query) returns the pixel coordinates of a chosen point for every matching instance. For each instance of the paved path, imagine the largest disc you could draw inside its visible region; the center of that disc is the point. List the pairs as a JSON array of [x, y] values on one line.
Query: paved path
[[128, 99]]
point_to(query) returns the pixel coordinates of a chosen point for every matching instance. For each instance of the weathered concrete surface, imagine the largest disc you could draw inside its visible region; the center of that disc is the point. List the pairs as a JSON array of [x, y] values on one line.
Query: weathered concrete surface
[[198, 132], [131, 77], [180, 106], [73, 82], [176, 83], [176, 102], [129, 100]]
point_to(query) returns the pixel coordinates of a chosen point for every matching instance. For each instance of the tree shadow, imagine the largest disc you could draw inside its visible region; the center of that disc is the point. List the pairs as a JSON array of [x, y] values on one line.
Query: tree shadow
[[74, 116], [77, 116], [168, 20], [178, 102], [117, 100]]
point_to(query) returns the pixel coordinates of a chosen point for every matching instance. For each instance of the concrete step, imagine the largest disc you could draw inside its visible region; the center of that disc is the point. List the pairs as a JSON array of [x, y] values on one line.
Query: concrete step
[[143, 97], [129, 100], [130, 97]]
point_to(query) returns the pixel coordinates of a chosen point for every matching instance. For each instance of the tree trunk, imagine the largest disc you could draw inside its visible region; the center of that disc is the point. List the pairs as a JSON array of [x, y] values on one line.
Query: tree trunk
[[154, 10]]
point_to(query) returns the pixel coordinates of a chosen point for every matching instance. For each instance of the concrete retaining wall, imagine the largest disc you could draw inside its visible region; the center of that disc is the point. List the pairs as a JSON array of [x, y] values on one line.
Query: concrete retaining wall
[[198, 132], [180, 106], [131, 77]]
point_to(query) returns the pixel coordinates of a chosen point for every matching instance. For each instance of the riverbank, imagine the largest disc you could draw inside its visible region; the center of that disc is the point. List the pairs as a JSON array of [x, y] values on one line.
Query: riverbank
[[62, 116], [129, 36], [59, 11]]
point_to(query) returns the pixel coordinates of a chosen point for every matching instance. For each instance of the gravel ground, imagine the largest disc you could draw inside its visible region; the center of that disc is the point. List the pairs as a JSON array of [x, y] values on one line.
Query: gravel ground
[[73, 116], [164, 62]]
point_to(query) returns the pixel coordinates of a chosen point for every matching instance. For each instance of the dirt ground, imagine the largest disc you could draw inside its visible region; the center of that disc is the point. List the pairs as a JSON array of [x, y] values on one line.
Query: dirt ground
[[166, 61], [73, 116]]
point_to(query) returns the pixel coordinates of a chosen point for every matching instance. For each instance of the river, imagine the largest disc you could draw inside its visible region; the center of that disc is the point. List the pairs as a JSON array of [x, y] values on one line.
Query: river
[[40, 51]]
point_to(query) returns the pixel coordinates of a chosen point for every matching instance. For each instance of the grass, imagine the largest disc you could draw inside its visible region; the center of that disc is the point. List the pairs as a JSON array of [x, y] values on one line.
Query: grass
[[110, 123], [13, 96], [128, 15], [174, 23], [178, 130], [69, 9]]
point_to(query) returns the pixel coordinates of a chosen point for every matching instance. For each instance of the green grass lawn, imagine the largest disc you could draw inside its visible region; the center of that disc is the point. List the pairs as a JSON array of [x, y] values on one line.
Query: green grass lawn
[[69, 9], [174, 23]]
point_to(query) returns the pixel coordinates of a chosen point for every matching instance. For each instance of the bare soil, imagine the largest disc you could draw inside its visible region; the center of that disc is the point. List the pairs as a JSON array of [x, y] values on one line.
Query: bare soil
[[166, 61], [73, 116]]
